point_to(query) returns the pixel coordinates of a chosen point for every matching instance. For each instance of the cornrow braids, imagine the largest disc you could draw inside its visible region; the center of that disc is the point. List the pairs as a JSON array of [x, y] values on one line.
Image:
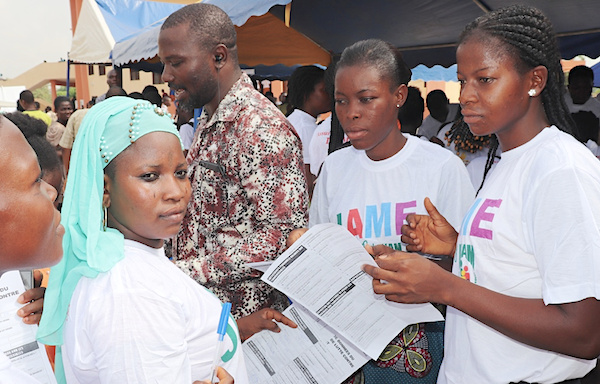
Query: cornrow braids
[[463, 139], [528, 36]]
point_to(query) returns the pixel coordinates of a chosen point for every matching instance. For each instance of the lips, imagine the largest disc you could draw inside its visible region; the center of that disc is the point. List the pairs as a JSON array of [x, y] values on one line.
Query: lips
[[471, 117], [355, 134], [174, 215]]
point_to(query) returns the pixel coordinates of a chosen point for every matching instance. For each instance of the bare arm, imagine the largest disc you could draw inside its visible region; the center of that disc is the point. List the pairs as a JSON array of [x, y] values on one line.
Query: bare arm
[[569, 329], [66, 157]]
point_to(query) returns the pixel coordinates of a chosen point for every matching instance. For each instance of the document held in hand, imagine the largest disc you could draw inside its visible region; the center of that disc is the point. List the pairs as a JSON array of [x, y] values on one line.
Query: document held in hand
[[322, 272]]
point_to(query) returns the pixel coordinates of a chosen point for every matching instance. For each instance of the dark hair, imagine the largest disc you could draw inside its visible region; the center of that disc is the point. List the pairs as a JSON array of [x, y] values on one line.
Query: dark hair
[[336, 137], [528, 36], [30, 126], [26, 96], [46, 153], [115, 90], [59, 100], [209, 26], [136, 95], [151, 94], [410, 114], [581, 72], [302, 83], [386, 58]]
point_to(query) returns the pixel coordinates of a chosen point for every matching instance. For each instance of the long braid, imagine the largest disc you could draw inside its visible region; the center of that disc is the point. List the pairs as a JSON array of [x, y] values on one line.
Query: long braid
[[529, 36]]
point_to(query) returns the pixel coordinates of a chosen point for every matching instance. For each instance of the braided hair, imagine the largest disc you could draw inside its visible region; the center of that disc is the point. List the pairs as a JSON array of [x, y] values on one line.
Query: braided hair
[[528, 36]]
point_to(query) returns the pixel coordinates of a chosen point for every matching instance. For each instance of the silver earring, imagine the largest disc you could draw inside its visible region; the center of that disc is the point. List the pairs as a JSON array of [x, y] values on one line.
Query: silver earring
[[105, 219], [532, 92], [397, 105]]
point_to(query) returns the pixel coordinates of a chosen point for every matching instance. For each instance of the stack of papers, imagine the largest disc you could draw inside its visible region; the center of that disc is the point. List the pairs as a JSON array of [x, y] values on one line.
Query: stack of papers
[[342, 323]]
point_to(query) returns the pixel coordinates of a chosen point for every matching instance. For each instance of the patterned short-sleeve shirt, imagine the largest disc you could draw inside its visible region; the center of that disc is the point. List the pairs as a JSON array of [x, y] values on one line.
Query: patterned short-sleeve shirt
[[248, 193]]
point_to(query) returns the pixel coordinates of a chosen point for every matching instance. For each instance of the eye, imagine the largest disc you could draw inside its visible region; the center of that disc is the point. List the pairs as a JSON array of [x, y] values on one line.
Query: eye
[[366, 100], [150, 176], [485, 80], [340, 102], [182, 174], [461, 82]]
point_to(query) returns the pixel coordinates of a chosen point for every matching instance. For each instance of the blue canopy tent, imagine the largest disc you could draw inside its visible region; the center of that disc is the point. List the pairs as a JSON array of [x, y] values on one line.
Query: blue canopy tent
[[596, 69]]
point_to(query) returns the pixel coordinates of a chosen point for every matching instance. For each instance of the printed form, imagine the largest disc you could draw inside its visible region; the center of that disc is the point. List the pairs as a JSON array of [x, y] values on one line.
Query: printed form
[[17, 339], [311, 353], [341, 322]]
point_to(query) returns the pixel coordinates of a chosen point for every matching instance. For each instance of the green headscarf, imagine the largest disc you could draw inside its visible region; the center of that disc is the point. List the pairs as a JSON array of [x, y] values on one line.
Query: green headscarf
[[106, 130]]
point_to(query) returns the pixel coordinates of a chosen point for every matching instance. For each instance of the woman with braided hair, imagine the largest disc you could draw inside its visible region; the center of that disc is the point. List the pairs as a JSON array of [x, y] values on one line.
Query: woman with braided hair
[[524, 293]]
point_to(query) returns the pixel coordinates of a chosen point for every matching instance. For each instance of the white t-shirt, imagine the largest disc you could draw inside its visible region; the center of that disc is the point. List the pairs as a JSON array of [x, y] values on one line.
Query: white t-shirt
[[319, 145], [10, 375], [186, 131], [145, 321], [592, 105], [372, 198], [430, 126], [305, 125], [532, 232]]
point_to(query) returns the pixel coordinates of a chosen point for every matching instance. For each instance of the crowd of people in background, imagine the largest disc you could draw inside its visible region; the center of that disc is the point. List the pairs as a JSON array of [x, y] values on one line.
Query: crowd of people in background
[[493, 203]]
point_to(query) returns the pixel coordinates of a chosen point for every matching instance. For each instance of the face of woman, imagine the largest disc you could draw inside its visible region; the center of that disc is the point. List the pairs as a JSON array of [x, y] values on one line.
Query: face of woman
[[148, 196], [30, 230], [366, 106], [494, 94]]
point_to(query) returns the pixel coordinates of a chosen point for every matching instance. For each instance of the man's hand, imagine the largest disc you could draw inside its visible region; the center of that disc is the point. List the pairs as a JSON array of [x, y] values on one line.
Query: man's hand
[[294, 235], [265, 318]]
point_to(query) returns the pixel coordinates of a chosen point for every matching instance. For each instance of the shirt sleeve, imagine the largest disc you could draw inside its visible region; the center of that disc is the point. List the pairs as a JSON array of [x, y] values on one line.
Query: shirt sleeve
[[563, 228]]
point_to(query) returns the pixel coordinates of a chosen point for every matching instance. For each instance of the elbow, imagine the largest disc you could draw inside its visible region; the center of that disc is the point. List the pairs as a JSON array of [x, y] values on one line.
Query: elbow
[[589, 349]]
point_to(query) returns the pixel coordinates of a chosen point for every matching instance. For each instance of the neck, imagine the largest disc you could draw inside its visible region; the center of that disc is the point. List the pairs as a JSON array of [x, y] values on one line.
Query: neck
[[226, 78]]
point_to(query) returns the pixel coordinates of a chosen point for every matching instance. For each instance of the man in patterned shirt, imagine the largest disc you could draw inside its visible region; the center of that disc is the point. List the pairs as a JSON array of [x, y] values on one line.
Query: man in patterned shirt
[[245, 166]]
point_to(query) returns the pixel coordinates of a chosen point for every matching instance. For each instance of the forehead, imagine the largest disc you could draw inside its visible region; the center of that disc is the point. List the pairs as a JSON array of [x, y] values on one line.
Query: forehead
[[64, 104], [360, 75], [15, 153], [177, 41]]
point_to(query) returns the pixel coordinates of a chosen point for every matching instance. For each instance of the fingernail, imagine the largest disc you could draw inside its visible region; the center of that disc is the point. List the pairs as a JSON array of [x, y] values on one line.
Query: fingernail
[[382, 256], [20, 312], [21, 299]]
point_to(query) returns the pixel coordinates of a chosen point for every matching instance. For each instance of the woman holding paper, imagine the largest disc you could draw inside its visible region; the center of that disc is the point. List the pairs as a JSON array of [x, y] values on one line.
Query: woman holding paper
[[523, 299], [116, 307], [389, 174]]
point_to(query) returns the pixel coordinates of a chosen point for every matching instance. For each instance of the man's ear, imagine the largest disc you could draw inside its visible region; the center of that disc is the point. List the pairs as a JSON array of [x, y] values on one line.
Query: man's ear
[[221, 55], [106, 195]]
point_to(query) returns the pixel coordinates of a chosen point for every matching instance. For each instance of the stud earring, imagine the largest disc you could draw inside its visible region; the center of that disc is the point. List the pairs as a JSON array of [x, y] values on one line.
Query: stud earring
[[397, 105], [532, 92]]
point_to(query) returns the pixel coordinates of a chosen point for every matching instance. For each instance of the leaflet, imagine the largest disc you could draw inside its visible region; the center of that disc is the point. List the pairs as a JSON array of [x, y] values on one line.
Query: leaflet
[[311, 353], [322, 272], [17, 339]]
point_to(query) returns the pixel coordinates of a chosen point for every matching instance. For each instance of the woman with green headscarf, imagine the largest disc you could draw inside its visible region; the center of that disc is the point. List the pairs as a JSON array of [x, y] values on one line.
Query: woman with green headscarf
[[116, 308]]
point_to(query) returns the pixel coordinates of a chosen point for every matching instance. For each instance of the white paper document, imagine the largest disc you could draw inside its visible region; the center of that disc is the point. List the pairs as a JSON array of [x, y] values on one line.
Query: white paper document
[[311, 353], [322, 272], [17, 339]]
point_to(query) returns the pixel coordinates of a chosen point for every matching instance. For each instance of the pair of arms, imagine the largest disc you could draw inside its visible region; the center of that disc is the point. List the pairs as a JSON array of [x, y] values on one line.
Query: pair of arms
[[405, 277]]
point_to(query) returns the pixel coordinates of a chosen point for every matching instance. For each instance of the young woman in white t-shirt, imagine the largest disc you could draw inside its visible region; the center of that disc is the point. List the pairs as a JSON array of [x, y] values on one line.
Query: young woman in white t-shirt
[[116, 308], [370, 187], [523, 299]]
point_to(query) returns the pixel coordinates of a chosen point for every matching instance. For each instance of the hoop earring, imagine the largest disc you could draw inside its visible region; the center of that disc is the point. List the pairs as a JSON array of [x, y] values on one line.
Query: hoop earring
[[104, 219]]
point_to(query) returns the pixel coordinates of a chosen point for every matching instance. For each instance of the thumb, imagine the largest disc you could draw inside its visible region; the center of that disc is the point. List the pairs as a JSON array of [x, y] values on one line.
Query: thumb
[[432, 210]]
